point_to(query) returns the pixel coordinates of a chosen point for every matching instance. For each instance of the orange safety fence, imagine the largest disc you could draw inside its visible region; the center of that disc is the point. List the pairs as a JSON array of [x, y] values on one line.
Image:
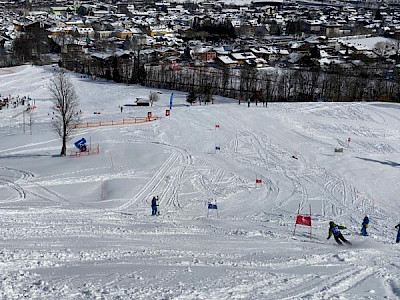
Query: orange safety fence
[[118, 122]]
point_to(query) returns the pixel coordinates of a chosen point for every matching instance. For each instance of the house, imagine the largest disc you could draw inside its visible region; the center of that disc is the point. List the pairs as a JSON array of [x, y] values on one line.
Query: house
[[142, 102], [205, 54], [72, 48], [136, 31], [123, 56], [123, 34], [224, 50], [283, 54], [241, 57], [227, 61], [100, 13], [17, 25], [165, 52], [260, 52], [103, 34], [101, 56], [60, 10], [75, 23], [257, 62], [31, 26], [86, 32], [277, 4], [56, 30], [312, 26], [158, 30], [330, 29]]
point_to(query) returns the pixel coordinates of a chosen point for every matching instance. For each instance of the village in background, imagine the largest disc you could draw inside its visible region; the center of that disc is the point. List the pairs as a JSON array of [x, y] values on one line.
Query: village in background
[[128, 169], [261, 51]]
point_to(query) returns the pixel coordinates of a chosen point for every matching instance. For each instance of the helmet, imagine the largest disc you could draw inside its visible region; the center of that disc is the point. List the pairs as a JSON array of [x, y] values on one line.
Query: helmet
[[331, 223], [366, 216]]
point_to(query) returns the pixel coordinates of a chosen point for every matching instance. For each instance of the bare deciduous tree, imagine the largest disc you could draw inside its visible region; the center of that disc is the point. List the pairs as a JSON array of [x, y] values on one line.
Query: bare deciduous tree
[[382, 49], [66, 105], [153, 97]]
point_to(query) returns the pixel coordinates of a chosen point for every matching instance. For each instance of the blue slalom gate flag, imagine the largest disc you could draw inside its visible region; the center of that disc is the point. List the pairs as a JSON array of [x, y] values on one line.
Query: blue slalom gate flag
[[170, 101], [212, 206]]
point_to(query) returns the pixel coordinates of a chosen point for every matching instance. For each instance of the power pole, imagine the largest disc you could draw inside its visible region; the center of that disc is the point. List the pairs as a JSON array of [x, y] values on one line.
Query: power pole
[[30, 122], [23, 113]]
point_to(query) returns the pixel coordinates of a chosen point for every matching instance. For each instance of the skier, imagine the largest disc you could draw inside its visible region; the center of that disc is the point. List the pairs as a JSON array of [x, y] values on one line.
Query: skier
[[365, 225], [334, 229], [154, 205], [398, 233], [122, 108]]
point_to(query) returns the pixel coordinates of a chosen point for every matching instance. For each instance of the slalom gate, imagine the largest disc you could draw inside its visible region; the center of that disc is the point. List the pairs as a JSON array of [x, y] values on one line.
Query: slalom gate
[[303, 220], [118, 122]]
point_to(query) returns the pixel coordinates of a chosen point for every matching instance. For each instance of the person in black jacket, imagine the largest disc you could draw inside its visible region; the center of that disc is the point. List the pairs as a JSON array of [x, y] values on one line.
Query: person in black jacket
[[398, 233], [154, 205]]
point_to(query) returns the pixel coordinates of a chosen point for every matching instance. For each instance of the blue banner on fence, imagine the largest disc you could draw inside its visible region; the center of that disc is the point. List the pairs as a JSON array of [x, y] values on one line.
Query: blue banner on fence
[[82, 141], [212, 206], [170, 101]]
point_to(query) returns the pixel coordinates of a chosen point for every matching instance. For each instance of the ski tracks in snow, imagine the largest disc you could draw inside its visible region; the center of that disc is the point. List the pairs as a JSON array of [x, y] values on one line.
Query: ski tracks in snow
[[11, 178], [165, 182], [276, 165]]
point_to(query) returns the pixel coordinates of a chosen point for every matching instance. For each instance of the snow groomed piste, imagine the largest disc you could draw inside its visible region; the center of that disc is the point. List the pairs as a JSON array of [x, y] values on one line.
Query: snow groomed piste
[[83, 229]]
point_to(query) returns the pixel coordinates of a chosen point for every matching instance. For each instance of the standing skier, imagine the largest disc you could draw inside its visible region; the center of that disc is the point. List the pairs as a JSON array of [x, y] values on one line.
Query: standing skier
[[398, 233], [334, 229], [365, 225], [154, 205]]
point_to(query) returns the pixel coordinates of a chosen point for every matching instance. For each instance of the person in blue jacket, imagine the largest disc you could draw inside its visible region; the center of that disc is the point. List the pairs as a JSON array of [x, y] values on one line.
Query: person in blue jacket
[[398, 233], [335, 230], [365, 225]]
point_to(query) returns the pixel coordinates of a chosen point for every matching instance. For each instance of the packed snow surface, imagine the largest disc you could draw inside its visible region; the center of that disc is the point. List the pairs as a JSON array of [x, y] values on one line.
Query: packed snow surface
[[81, 227]]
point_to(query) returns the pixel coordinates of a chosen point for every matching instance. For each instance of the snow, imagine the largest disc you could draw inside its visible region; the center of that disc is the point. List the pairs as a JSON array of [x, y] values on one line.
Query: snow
[[227, 60], [80, 228], [368, 43]]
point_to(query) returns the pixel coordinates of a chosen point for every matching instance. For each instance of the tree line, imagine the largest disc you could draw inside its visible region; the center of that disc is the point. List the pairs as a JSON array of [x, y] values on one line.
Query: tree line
[[277, 84], [249, 83]]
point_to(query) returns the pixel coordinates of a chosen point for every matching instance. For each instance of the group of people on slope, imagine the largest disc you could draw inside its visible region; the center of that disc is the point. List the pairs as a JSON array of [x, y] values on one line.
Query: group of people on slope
[[334, 230]]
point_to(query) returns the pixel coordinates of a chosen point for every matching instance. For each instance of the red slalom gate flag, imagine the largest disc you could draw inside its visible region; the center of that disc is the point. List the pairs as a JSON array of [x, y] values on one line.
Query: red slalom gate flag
[[303, 220]]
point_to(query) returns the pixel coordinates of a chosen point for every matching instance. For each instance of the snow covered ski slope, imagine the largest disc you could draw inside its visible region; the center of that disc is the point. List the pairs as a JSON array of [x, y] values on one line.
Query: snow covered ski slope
[[81, 228]]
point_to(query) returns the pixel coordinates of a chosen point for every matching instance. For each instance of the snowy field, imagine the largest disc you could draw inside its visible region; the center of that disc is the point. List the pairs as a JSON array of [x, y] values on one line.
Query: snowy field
[[81, 228]]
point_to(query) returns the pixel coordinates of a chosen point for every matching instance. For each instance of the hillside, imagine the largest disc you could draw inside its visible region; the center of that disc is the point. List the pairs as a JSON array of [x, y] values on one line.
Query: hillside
[[81, 228]]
